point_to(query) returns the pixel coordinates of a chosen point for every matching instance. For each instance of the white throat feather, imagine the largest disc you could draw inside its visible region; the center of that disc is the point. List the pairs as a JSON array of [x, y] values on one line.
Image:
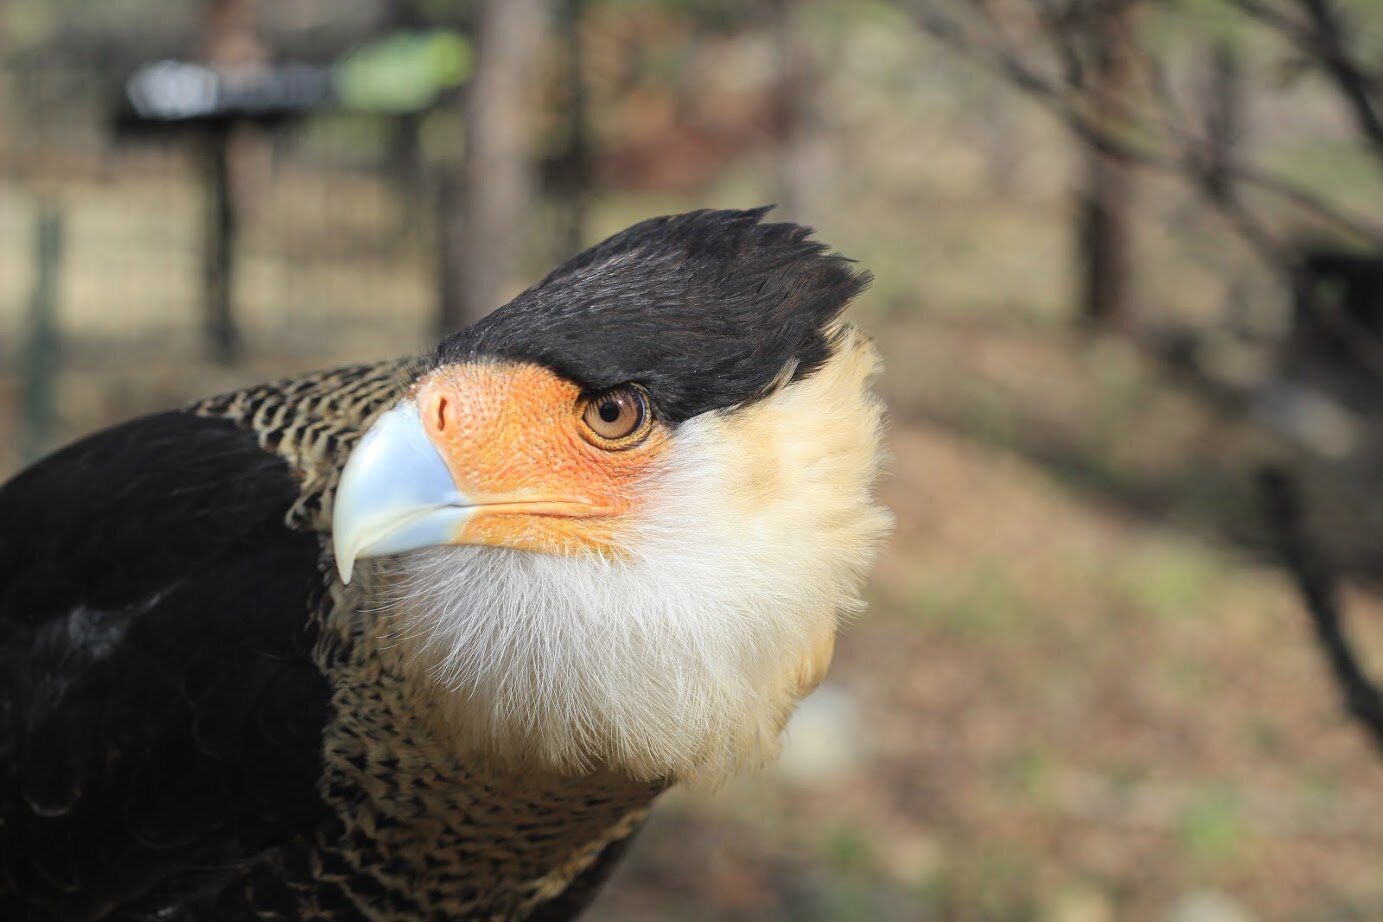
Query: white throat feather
[[684, 656]]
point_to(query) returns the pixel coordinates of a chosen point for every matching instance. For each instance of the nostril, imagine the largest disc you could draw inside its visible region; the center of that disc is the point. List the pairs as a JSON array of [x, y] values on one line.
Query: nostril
[[440, 409]]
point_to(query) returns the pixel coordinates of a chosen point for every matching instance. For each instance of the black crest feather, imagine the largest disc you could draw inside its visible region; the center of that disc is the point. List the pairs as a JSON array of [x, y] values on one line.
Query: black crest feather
[[704, 310]]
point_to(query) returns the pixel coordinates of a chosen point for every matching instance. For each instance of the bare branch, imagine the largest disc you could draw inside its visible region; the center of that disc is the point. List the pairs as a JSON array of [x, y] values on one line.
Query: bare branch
[[1322, 37], [1354, 85], [1057, 26], [1296, 32], [1169, 145]]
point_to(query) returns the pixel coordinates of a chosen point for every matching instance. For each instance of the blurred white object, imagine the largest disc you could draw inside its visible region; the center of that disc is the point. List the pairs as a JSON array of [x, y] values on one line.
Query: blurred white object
[[1208, 906], [824, 739], [1308, 417]]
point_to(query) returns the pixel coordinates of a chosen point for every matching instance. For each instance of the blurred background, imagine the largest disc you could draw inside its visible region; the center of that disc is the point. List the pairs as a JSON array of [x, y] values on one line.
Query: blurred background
[[1129, 260]]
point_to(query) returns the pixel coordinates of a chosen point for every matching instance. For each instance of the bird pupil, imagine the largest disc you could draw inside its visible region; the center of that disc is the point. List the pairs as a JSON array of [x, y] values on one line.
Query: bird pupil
[[609, 411]]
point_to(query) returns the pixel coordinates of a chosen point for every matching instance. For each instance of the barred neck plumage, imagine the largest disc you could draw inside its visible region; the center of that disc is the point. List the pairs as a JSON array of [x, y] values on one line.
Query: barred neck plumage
[[423, 828]]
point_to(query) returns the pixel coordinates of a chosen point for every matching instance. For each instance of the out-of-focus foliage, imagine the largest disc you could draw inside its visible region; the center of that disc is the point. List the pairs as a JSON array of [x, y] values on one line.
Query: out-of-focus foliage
[[403, 72]]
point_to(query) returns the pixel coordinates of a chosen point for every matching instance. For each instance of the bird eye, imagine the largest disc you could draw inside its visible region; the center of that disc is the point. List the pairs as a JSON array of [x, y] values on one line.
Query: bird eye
[[617, 417]]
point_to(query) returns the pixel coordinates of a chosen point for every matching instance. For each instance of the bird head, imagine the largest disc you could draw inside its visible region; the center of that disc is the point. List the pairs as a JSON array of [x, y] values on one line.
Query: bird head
[[619, 520]]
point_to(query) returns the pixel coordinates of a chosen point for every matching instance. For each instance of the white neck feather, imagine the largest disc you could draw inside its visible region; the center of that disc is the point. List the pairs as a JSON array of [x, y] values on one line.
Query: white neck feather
[[685, 656]]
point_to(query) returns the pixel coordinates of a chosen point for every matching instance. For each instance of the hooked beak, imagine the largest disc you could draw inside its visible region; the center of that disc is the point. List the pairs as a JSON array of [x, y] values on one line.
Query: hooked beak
[[396, 494], [483, 454]]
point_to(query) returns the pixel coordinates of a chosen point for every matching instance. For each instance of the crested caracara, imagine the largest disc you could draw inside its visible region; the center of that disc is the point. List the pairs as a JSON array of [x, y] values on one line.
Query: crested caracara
[[426, 638]]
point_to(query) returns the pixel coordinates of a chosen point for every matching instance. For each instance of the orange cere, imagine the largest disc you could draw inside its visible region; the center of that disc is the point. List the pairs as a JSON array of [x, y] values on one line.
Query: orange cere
[[511, 434]]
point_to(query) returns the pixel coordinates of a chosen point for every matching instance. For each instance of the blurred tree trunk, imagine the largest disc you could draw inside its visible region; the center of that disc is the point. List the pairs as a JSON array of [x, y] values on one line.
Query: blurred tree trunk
[[797, 129], [573, 169], [228, 40], [485, 206], [6, 96], [1224, 117], [1107, 198]]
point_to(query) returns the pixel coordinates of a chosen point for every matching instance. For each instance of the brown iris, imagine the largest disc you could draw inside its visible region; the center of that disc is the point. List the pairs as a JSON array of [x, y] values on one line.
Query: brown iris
[[616, 418]]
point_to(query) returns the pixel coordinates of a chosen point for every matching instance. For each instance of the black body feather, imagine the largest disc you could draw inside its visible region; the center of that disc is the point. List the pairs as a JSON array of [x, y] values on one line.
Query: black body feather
[[160, 714]]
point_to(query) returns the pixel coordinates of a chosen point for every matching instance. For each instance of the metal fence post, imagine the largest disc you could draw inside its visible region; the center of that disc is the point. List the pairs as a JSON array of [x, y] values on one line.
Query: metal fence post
[[41, 348]]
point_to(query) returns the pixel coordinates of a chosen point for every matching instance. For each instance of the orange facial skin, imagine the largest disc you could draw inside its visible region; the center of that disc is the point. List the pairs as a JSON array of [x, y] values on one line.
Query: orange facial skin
[[512, 437]]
